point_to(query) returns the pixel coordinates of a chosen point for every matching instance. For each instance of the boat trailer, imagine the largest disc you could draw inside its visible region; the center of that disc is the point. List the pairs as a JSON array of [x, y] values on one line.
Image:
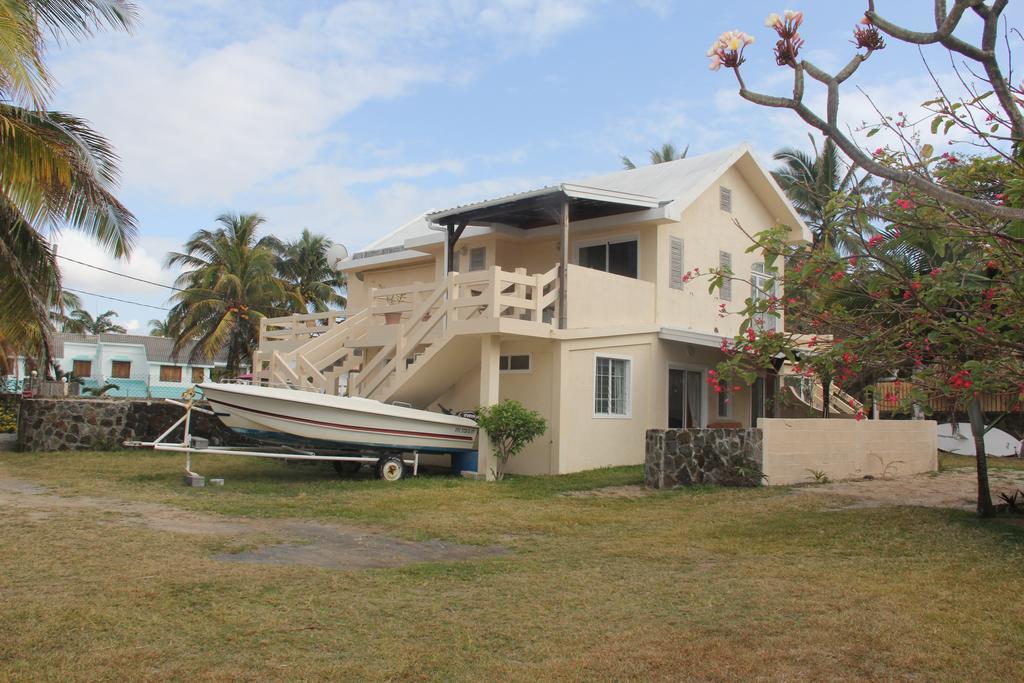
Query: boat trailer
[[389, 465]]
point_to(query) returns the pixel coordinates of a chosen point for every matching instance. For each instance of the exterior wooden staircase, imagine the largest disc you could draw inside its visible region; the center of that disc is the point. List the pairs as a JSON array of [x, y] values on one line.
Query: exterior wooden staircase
[[811, 393], [437, 328]]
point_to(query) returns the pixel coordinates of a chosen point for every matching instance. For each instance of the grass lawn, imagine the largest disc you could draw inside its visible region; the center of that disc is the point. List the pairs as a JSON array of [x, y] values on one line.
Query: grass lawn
[[704, 583]]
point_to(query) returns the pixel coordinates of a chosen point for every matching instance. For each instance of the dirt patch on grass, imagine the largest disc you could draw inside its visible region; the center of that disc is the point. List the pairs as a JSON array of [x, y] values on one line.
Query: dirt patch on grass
[[628, 491], [954, 489], [284, 542]]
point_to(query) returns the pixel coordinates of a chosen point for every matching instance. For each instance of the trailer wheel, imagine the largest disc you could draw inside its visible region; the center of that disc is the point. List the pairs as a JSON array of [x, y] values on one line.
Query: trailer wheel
[[346, 467], [390, 468]]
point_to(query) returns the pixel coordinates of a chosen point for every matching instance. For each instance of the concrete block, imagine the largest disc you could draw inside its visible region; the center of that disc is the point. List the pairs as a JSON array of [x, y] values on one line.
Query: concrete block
[[216, 482], [195, 480]]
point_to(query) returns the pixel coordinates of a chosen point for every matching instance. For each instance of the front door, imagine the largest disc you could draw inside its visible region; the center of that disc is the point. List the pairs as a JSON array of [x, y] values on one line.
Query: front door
[[685, 399]]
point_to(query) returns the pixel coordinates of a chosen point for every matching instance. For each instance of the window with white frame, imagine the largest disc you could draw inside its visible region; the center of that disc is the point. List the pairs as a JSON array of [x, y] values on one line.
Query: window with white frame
[[517, 362], [724, 399], [612, 386], [761, 287]]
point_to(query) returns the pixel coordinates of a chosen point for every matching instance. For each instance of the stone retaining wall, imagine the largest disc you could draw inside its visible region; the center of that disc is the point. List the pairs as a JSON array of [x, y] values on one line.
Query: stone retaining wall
[[48, 424], [725, 457]]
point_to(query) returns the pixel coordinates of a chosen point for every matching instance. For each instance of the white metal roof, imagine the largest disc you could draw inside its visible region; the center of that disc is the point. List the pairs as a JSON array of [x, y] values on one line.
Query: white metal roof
[[677, 182]]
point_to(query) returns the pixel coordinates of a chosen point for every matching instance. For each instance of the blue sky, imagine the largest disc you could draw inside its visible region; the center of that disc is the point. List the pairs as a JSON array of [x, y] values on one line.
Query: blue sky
[[350, 118]]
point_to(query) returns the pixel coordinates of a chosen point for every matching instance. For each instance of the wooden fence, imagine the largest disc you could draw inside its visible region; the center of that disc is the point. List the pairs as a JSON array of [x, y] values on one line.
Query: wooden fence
[[892, 397]]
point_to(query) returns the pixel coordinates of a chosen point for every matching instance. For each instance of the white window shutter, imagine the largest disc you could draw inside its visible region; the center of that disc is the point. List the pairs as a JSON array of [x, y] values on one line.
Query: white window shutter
[[724, 198], [675, 274], [725, 264]]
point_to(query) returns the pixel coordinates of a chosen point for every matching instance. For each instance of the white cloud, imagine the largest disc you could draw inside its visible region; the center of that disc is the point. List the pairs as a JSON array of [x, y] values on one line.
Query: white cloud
[[146, 263], [776, 128], [209, 100]]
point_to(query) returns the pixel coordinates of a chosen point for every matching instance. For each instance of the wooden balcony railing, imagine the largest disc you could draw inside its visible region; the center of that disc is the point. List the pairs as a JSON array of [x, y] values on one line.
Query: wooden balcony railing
[[426, 316]]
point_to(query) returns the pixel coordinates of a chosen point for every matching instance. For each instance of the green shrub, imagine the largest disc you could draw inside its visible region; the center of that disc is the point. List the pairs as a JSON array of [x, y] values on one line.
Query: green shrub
[[510, 427], [8, 415]]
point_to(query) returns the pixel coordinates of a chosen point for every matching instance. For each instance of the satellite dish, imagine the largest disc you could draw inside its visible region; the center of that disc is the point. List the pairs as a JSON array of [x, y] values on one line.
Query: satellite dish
[[336, 254]]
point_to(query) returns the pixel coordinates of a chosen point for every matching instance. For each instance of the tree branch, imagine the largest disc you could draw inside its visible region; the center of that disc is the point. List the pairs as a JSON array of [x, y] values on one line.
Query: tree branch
[[985, 55], [831, 130]]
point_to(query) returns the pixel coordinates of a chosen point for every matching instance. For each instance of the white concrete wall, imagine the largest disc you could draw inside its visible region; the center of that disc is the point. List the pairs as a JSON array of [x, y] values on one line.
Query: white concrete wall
[[846, 449], [597, 299], [585, 441]]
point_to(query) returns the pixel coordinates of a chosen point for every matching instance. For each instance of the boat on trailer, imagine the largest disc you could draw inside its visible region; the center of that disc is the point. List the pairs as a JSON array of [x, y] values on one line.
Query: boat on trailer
[[301, 425], [289, 417]]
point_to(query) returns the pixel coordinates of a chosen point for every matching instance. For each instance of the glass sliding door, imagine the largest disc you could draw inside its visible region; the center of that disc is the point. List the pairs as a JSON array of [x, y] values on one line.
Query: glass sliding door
[[685, 399], [756, 400], [620, 257]]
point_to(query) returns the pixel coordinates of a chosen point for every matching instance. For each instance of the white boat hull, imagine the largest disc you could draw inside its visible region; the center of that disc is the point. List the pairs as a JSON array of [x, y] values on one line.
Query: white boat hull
[[342, 422], [998, 443]]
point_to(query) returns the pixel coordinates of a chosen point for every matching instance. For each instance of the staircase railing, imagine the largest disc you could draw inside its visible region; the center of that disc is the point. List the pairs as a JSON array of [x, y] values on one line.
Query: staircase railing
[[311, 351], [306, 366], [299, 327], [487, 294], [812, 393]]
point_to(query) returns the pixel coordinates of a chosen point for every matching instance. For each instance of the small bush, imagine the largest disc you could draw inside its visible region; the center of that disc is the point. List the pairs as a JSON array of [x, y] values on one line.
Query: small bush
[[510, 426], [8, 415]]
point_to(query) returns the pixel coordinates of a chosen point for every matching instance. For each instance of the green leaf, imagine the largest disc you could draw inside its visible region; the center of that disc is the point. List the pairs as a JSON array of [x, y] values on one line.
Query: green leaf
[[927, 151], [935, 124], [873, 131], [980, 97], [949, 124], [994, 127]]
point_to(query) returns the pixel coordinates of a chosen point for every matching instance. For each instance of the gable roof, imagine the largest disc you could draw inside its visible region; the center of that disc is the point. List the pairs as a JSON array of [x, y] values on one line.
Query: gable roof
[[675, 184], [158, 349]]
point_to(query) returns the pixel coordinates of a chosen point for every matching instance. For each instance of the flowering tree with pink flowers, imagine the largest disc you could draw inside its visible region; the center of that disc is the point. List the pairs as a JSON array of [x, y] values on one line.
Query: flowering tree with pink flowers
[[936, 294]]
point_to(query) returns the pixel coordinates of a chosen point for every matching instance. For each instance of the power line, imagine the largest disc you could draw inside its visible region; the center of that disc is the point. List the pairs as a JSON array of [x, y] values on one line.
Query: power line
[[114, 298], [114, 272]]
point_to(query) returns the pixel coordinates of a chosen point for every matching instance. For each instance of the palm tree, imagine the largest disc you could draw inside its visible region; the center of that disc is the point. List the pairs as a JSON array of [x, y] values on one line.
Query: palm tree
[[55, 171], [667, 152], [229, 284], [82, 322], [828, 197], [303, 265], [162, 328]]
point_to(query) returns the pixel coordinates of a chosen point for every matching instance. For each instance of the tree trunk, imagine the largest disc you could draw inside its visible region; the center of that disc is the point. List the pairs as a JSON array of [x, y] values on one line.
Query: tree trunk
[[232, 363], [977, 418]]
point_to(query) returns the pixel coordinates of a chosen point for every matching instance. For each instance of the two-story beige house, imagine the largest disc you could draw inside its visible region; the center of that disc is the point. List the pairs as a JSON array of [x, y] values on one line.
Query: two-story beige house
[[570, 299]]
